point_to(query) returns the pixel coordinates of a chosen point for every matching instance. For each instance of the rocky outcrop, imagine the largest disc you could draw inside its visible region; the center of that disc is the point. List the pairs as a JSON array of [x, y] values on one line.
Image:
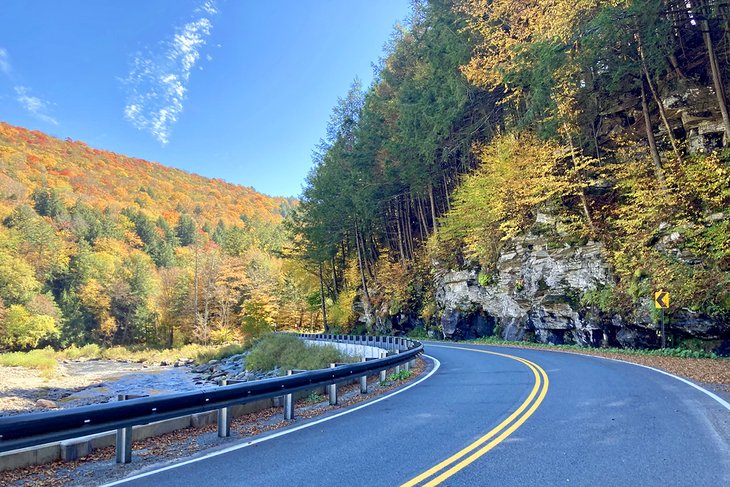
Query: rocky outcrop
[[535, 291], [538, 290], [230, 368]]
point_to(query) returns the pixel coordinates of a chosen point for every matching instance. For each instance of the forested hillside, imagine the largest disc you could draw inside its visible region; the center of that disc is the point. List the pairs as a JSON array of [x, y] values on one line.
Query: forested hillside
[[532, 169], [98, 247]]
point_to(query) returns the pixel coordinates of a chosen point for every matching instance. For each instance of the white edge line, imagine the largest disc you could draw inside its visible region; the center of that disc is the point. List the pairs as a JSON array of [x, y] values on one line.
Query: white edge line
[[714, 396], [240, 446]]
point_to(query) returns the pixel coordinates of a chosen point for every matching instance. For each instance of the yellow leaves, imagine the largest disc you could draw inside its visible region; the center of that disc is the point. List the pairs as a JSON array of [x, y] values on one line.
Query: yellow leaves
[[517, 175], [110, 246], [108, 326], [95, 298], [511, 33]]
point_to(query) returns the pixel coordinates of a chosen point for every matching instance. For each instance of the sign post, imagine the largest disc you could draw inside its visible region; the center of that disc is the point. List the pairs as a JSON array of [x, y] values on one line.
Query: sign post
[[661, 302]]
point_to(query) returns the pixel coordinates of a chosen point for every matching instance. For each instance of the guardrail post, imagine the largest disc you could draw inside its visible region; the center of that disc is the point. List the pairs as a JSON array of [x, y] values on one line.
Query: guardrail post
[[224, 424], [333, 389], [124, 440], [364, 381], [397, 367], [383, 372], [289, 403]]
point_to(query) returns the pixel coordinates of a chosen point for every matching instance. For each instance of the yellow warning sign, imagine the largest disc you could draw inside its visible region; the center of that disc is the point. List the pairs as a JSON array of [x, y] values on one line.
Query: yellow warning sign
[[661, 299]]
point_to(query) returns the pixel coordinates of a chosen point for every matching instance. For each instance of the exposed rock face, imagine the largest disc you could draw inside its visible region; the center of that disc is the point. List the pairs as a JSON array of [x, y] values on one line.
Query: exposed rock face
[[537, 290], [536, 294]]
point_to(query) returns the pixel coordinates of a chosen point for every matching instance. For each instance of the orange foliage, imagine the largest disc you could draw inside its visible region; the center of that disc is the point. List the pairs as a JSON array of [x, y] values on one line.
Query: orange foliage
[[105, 179]]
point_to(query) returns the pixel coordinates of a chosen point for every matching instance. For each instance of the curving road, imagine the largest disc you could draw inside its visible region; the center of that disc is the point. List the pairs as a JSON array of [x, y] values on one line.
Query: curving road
[[494, 416]]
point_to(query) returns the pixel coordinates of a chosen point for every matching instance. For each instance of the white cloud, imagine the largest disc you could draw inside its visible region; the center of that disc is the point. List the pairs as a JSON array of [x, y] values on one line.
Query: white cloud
[[34, 105], [5, 62], [208, 7], [158, 81]]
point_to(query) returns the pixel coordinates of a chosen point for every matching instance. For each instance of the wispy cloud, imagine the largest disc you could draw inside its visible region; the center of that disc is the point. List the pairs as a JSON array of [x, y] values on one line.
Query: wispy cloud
[[158, 80], [34, 105], [37, 107], [5, 62]]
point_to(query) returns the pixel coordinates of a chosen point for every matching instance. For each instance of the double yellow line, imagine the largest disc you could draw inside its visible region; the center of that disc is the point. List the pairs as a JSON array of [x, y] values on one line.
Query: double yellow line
[[463, 458]]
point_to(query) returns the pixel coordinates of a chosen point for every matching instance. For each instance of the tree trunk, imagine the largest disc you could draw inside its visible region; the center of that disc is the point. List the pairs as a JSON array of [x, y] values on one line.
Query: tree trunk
[[344, 264], [652, 142], [398, 226], [422, 215], [716, 80], [658, 100], [418, 217], [366, 295], [321, 299], [582, 194], [446, 193], [409, 230], [675, 65], [334, 277], [433, 206]]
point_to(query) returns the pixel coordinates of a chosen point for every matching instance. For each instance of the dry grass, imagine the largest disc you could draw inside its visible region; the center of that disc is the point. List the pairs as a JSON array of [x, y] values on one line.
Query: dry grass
[[46, 360]]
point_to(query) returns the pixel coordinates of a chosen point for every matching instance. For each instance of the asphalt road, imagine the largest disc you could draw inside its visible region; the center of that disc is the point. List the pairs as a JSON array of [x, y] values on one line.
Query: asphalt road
[[489, 419]]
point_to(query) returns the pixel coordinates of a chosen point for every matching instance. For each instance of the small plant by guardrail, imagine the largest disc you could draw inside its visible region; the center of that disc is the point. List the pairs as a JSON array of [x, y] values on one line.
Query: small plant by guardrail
[[314, 397], [395, 377]]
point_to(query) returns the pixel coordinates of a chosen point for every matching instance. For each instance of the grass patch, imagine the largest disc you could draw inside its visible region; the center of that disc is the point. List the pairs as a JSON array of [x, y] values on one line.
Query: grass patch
[[42, 359], [91, 351], [288, 352], [197, 353], [46, 360], [218, 353]]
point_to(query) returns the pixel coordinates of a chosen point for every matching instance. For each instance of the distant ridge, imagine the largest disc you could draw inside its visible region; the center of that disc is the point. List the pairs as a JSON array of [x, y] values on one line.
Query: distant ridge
[[106, 180]]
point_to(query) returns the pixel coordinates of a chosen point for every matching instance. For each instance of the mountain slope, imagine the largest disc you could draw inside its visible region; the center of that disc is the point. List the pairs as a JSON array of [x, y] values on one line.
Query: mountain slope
[[96, 247], [103, 179]]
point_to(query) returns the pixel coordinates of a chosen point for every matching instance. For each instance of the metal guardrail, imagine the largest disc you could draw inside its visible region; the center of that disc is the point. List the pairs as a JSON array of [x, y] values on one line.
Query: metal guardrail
[[32, 429]]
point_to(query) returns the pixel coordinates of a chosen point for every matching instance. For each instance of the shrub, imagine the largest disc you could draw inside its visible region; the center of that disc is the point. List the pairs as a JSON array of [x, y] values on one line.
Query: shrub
[[417, 332], [288, 352], [87, 351]]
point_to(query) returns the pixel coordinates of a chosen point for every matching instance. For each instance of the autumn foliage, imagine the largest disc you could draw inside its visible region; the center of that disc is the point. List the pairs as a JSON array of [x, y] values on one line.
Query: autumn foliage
[[96, 247]]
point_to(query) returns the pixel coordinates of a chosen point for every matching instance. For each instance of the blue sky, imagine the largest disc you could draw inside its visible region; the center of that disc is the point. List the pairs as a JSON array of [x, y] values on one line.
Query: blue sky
[[235, 89]]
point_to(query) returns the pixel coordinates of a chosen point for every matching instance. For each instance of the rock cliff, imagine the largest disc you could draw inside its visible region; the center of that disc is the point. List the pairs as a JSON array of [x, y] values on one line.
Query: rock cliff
[[538, 292]]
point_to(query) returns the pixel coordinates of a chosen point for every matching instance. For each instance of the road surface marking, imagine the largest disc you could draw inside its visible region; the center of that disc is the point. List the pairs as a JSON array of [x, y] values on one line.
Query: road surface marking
[[436, 365], [516, 419], [712, 395]]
